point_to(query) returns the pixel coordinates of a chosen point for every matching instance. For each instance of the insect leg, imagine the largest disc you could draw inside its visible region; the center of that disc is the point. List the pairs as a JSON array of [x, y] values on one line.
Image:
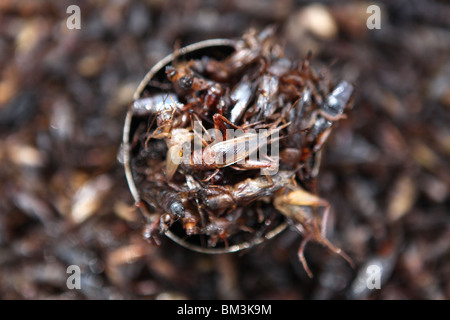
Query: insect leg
[[301, 257]]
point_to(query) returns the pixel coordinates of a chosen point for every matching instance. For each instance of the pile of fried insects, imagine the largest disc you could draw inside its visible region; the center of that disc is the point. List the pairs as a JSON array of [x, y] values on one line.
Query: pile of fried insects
[[231, 147]]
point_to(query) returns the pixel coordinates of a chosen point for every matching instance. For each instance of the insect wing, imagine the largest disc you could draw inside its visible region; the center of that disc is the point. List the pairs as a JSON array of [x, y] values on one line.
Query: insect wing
[[231, 151]]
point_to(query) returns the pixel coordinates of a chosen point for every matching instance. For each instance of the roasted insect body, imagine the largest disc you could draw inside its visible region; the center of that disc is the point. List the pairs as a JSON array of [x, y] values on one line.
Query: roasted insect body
[[300, 206], [196, 143]]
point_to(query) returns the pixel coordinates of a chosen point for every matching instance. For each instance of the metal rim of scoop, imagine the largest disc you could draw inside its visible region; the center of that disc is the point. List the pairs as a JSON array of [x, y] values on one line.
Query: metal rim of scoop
[[127, 149]]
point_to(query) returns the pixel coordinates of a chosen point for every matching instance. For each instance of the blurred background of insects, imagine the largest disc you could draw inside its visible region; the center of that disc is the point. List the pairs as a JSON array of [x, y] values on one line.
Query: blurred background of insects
[[64, 199]]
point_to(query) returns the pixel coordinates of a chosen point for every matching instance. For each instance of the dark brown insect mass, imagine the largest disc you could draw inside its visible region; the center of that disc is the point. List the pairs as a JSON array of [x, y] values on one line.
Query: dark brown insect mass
[[180, 146]]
